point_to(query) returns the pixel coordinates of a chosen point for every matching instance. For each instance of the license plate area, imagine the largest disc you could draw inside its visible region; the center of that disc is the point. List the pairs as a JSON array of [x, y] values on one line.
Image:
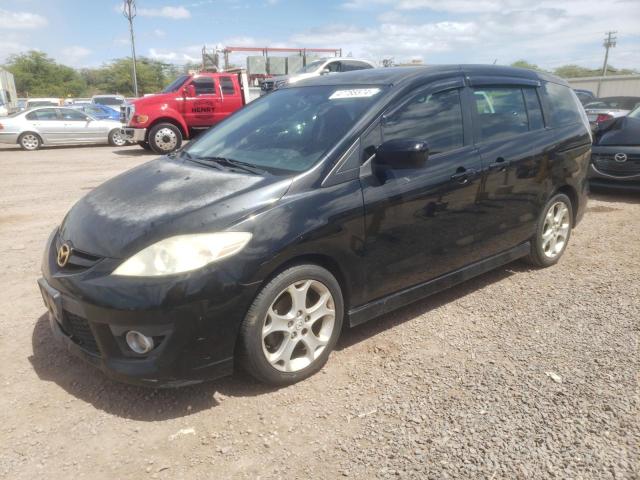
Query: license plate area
[[52, 300]]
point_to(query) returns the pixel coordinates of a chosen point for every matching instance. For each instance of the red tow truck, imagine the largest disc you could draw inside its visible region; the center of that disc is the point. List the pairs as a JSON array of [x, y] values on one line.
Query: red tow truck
[[190, 104]]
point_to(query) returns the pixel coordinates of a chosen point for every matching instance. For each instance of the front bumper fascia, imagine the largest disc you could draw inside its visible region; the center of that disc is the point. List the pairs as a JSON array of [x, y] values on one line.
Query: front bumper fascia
[[134, 134]]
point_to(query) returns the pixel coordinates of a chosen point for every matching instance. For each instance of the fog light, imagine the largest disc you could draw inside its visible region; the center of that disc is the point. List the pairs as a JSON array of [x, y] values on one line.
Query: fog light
[[138, 342]]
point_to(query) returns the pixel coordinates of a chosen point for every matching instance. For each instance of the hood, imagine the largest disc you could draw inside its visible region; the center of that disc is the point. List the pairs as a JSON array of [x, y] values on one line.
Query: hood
[[621, 131], [153, 99], [162, 198]]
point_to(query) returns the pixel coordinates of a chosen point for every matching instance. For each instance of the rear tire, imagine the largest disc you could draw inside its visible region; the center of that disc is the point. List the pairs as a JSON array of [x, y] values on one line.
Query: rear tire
[[116, 138], [165, 138], [30, 141], [552, 232], [292, 325], [145, 145]]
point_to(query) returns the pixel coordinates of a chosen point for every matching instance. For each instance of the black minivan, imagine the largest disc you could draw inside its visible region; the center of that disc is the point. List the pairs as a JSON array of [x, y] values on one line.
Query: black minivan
[[317, 207]]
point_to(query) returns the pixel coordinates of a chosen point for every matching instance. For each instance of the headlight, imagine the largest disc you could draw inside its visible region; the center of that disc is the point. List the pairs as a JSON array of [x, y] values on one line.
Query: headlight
[[183, 253]]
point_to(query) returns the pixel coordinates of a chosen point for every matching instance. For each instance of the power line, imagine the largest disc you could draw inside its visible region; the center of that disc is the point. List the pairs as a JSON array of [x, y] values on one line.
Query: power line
[[609, 42], [129, 11]]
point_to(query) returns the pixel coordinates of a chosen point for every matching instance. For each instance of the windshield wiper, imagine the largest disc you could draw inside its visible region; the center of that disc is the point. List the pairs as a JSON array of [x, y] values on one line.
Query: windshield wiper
[[228, 162]]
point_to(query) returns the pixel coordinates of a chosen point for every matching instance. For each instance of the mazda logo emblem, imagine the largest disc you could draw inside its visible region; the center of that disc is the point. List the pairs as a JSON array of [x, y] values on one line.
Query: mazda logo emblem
[[64, 252], [620, 157]]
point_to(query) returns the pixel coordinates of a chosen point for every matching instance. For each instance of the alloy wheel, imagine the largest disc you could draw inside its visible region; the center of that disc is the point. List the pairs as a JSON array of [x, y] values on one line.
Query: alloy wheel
[[555, 231], [118, 139], [30, 141], [298, 325]]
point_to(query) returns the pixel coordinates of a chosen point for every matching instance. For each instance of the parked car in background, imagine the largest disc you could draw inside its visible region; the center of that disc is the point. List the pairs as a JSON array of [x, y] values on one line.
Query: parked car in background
[[316, 68], [82, 101], [36, 127], [22, 104], [585, 96], [42, 102], [110, 100], [100, 112], [8, 95], [188, 106], [607, 108], [615, 161], [325, 203]]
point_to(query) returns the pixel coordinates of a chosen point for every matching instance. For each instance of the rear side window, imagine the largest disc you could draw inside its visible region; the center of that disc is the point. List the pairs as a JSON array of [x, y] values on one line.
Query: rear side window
[[68, 114], [434, 118], [226, 84], [43, 114], [204, 86], [533, 109], [500, 112], [563, 106]]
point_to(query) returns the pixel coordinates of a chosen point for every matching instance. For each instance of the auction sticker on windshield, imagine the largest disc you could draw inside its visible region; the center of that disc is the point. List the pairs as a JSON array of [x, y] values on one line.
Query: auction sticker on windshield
[[354, 93]]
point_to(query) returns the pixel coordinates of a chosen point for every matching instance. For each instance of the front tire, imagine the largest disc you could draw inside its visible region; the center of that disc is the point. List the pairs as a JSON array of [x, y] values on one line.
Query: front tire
[[165, 138], [552, 232], [116, 138], [30, 141], [292, 325]]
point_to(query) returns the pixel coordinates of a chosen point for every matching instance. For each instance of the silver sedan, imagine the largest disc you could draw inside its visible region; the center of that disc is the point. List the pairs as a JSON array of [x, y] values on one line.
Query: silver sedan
[[58, 126]]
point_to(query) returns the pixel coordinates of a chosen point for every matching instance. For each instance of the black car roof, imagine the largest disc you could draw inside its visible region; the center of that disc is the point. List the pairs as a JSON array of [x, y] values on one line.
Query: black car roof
[[395, 75]]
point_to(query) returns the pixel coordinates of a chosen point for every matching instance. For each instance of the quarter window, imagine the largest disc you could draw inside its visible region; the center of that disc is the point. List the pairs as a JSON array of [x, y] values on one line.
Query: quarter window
[[226, 84], [563, 106], [435, 118], [204, 86], [500, 113], [43, 114]]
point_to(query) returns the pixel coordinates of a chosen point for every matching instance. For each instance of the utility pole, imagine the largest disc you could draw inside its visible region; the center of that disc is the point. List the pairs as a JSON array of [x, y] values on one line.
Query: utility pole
[[609, 42], [129, 12]]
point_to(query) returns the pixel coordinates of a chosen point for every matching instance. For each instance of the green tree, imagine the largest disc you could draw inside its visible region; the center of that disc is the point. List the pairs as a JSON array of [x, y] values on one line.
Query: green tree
[[38, 75], [524, 64]]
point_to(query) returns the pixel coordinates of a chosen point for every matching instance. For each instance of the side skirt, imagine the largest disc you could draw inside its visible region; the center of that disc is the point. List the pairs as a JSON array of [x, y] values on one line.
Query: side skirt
[[399, 299]]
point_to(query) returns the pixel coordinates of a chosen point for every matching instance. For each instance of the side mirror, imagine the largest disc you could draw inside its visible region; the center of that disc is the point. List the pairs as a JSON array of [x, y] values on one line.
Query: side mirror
[[402, 153], [189, 91], [325, 71]]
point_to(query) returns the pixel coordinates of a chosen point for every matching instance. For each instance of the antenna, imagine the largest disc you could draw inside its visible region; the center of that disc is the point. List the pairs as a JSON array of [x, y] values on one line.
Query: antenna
[[129, 11]]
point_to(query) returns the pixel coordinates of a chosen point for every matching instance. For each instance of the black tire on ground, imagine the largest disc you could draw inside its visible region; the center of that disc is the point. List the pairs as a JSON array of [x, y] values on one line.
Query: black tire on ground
[[251, 354], [30, 141], [164, 138], [145, 145], [116, 139], [549, 227]]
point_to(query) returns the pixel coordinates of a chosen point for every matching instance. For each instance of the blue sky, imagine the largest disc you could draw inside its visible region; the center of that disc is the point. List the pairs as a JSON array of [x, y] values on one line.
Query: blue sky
[[547, 32]]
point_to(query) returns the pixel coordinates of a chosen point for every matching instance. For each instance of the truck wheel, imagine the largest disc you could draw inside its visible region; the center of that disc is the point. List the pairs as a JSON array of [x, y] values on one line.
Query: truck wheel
[[145, 145], [165, 138], [116, 138]]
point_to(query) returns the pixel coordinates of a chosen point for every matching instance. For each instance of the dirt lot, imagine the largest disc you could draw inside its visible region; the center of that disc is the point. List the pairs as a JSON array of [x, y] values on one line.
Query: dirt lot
[[520, 373]]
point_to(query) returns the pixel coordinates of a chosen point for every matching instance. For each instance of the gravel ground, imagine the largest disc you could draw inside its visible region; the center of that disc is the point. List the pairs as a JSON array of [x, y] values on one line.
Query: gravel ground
[[520, 373]]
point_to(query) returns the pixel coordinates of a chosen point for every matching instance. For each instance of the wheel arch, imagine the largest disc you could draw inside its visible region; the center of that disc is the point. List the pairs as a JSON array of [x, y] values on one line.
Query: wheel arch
[[570, 192], [184, 131]]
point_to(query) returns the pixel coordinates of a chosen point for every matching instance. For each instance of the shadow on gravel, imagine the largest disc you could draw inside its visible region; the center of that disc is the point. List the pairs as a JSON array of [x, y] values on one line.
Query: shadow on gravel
[[135, 152], [616, 196], [52, 363], [375, 326]]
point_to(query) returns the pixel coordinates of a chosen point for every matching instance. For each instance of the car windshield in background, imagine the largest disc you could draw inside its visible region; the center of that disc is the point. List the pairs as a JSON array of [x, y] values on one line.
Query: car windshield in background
[[288, 130], [108, 101], [312, 67], [176, 84]]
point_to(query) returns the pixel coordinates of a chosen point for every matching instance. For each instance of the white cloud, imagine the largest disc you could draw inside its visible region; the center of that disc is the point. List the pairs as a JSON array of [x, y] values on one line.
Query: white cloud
[[74, 55], [174, 13], [8, 48], [158, 32], [189, 54], [21, 20]]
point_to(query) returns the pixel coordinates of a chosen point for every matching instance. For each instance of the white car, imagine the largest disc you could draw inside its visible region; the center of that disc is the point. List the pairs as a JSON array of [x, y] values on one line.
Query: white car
[[316, 68], [34, 128]]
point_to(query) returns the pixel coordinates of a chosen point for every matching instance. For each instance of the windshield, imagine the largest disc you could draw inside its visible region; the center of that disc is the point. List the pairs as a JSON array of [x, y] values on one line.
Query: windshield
[[176, 84], [635, 113], [108, 100], [311, 67], [288, 130]]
